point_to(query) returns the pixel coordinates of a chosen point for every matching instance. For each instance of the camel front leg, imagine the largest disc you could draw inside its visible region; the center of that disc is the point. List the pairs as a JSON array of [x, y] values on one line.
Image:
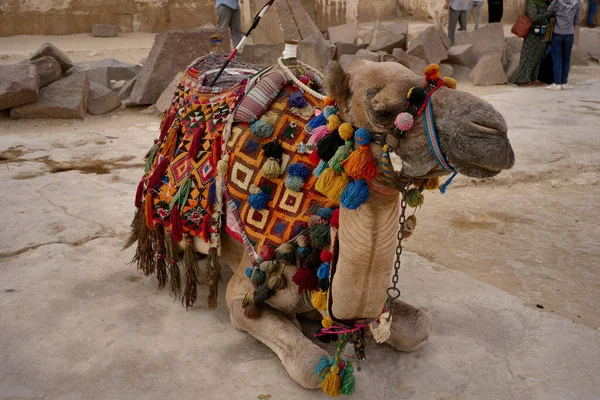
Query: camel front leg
[[410, 328]]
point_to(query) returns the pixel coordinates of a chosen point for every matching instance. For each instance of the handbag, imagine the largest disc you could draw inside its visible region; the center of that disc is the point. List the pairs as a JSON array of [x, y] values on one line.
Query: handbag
[[522, 26]]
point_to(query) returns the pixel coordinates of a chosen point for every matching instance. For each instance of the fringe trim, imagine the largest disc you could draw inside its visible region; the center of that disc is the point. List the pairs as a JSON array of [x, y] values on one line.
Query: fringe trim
[[213, 275]]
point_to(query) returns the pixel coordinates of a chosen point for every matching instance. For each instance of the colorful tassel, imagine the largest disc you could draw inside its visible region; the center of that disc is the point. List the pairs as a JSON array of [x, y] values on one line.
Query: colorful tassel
[[338, 184], [323, 272], [205, 232], [262, 294], [297, 172], [267, 253], [248, 299], [323, 367], [176, 225], [355, 195], [320, 168], [262, 130], [319, 300], [150, 156], [278, 282], [325, 212], [211, 199], [305, 280], [149, 210], [432, 183], [318, 134], [340, 156], [258, 277], [139, 194], [196, 144], [191, 274], [327, 147], [166, 125], [361, 164], [325, 180], [285, 252], [414, 198], [258, 199], [348, 380], [297, 100], [170, 144], [320, 236], [252, 312], [334, 221], [159, 173], [213, 275], [317, 121]]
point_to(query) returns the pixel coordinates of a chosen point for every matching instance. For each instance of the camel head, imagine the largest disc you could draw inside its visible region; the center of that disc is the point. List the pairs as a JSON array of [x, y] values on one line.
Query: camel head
[[472, 134]]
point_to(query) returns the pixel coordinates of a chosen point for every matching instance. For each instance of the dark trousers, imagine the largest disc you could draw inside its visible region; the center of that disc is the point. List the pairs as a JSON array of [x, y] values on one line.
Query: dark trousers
[[592, 12], [230, 18], [561, 57], [453, 16], [495, 10]]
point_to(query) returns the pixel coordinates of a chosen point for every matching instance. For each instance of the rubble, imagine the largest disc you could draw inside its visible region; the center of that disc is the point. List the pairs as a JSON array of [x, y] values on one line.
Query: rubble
[[48, 49], [489, 71], [48, 69], [101, 99], [429, 46], [106, 70], [104, 30], [461, 55], [488, 39], [415, 64], [347, 48], [19, 84], [389, 36], [343, 34], [66, 98], [316, 51]]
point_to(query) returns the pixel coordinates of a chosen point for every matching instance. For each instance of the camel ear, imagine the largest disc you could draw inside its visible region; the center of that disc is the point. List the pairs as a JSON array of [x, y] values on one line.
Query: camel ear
[[336, 81]]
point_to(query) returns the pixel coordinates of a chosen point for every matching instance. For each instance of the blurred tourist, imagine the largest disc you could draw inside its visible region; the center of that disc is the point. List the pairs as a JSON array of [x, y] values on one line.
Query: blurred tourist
[[457, 11], [568, 15], [228, 12], [478, 4], [495, 10], [592, 12], [534, 45]]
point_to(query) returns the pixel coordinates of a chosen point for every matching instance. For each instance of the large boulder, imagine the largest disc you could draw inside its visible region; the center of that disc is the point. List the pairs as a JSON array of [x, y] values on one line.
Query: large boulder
[[461, 55], [104, 30], [172, 52], [513, 67], [446, 69], [66, 98], [262, 55], [104, 71], [48, 49], [101, 99], [461, 73], [488, 39], [580, 58], [346, 33], [126, 89], [347, 48], [415, 64], [429, 46], [48, 69], [489, 71], [316, 51], [589, 42], [19, 84], [514, 45], [389, 36], [165, 99], [346, 60]]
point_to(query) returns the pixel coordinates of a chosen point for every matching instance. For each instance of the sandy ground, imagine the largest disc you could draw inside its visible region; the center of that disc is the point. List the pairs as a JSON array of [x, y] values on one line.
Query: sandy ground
[[79, 323]]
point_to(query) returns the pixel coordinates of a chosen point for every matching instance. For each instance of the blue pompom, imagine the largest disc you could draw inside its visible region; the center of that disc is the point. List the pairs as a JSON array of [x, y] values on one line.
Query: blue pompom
[[325, 213], [259, 200], [298, 169], [297, 100], [249, 272], [323, 272], [261, 129], [362, 137], [304, 251], [320, 168], [294, 183], [329, 111], [317, 121], [355, 195]]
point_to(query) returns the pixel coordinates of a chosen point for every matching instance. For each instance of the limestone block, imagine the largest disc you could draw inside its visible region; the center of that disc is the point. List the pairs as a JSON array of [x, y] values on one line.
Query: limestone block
[[429, 46], [19, 84], [66, 98], [104, 71], [262, 55], [346, 33], [446, 69], [489, 71], [580, 58], [104, 30], [513, 67], [513, 46], [172, 51], [389, 36], [461, 55], [126, 89], [347, 48], [48, 69], [488, 39], [346, 60], [415, 64], [48, 49], [589, 42], [461, 73], [316, 51], [101, 99], [164, 101]]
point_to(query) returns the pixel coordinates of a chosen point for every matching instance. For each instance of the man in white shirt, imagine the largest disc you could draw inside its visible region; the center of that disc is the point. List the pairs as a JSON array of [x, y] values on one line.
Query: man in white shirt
[[229, 17], [457, 11]]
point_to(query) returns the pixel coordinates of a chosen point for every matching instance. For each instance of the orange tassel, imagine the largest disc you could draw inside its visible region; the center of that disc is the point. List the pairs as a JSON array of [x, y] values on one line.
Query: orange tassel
[[149, 210], [361, 164], [170, 143]]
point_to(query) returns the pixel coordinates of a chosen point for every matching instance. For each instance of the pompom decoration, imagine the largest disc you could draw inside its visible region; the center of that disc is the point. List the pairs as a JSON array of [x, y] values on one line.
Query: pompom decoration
[[414, 198], [317, 134], [361, 164], [355, 195], [317, 121], [329, 101], [297, 100], [267, 253], [333, 122], [329, 111], [258, 201], [304, 79], [262, 130], [327, 322], [346, 131], [327, 146], [362, 137], [269, 266], [334, 221], [298, 169], [319, 300], [294, 183], [432, 72], [326, 256], [271, 168], [305, 280], [450, 82], [323, 272], [325, 212], [404, 121], [320, 168], [273, 150], [417, 96]]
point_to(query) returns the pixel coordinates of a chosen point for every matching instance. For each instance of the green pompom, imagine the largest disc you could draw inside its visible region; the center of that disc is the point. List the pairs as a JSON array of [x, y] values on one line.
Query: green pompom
[[414, 198]]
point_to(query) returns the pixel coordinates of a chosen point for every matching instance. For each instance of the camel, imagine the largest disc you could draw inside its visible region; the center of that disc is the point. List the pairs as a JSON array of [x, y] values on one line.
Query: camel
[[473, 138]]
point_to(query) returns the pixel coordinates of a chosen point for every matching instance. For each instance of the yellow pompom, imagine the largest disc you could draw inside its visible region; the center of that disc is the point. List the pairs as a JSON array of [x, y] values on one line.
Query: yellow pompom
[[450, 82], [319, 300], [336, 187], [327, 322], [332, 384], [432, 72], [346, 131], [333, 122], [432, 184]]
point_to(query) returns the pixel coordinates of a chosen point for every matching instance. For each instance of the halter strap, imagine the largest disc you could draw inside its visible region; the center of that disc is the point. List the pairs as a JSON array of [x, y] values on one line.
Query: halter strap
[[432, 138]]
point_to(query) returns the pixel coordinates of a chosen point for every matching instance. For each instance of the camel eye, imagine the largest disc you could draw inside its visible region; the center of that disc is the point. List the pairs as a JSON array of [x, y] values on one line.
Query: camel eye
[[384, 114]]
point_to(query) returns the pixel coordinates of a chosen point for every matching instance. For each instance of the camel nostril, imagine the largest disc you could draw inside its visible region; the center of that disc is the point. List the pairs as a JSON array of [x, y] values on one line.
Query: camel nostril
[[494, 129]]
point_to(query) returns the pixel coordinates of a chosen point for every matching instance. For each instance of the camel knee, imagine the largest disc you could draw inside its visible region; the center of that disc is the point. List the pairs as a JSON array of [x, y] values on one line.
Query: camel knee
[[411, 328]]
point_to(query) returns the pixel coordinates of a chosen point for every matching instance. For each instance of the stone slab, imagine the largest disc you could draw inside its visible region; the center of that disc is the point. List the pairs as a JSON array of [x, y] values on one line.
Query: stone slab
[[262, 55], [415, 64], [389, 36], [48, 69], [63, 99], [429, 46], [107, 70], [105, 30], [164, 101], [488, 39], [316, 51], [48, 49], [346, 33], [102, 99], [461, 55], [172, 52], [489, 71], [589, 42], [19, 84]]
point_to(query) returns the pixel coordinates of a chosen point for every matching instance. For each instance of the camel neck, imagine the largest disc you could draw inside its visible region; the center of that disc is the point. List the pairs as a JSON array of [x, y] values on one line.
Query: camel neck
[[367, 239]]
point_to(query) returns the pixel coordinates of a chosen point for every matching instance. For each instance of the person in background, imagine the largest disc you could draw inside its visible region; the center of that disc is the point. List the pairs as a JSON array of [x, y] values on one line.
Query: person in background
[[228, 12], [534, 45], [568, 15], [478, 4], [592, 12], [495, 10], [457, 11]]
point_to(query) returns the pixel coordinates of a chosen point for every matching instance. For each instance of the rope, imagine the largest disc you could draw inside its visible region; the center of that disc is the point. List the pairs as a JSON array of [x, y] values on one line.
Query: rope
[[297, 82]]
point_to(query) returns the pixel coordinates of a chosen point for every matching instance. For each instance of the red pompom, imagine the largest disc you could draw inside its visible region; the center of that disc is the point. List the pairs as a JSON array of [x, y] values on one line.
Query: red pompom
[[305, 279], [326, 256], [267, 253], [334, 221], [304, 79]]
